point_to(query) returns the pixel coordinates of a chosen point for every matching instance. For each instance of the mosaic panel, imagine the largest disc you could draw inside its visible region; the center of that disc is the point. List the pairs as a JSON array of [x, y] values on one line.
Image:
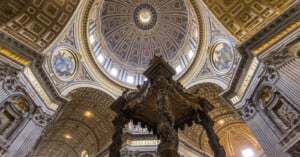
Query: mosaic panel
[[222, 57], [64, 63]]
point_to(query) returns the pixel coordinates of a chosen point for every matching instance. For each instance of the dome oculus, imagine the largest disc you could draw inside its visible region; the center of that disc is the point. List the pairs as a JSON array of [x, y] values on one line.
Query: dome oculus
[[145, 16]]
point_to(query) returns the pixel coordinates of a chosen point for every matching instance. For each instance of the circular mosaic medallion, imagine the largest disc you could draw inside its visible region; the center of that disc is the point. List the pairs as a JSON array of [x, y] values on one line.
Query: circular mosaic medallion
[[145, 16], [63, 63], [222, 57]]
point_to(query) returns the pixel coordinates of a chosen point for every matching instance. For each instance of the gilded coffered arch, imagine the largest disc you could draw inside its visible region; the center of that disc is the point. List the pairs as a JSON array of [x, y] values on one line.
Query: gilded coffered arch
[[9, 9], [84, 124], [226, 122], [243, 18], [238, 137], [36, 22]]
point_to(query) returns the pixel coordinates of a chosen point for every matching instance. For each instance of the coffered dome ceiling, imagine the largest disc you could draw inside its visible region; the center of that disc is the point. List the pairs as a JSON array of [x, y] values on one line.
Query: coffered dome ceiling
[[125, 35], [135, 32]]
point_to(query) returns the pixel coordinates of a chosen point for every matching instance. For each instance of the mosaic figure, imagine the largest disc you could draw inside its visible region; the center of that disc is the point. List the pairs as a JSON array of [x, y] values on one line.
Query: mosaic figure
[[63, 64], [223, 57]]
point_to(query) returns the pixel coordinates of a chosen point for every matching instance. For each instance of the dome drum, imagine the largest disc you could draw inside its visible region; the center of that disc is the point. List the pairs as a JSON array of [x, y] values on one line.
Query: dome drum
[[124, 36]]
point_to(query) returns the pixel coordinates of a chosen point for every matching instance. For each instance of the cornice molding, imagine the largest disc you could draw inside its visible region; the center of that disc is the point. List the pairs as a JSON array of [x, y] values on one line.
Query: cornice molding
[[266, 33], [35, 64]]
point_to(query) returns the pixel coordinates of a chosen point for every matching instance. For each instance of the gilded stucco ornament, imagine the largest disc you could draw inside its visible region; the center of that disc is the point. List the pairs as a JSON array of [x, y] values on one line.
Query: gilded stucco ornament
[[6, 71], [12, 84], [248, 111], [243, 18]]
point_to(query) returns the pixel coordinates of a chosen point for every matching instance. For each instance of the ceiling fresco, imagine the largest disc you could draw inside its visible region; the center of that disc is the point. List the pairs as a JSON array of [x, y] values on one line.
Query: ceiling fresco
[[221, 63]]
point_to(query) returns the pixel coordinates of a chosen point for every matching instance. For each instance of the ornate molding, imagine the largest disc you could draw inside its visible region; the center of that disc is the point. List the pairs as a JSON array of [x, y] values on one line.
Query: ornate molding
[[41, 118], [276, 38], [12, 85], [278, 58], [248, 111], [278, 24], [14, 56], [14, 45], [35, 64], [6, 70], [243, 18]]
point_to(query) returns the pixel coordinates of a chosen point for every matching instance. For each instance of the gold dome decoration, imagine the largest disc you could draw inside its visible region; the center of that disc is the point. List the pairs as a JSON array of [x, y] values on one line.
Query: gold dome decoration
[[124, 35], [135, 31]]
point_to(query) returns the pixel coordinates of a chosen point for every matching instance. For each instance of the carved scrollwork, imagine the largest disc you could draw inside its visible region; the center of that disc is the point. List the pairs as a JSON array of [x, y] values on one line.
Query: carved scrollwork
[[11, 84], [41, 118], [248, 111], [6, 71], [274, 62], [269, 74], [278, 59]]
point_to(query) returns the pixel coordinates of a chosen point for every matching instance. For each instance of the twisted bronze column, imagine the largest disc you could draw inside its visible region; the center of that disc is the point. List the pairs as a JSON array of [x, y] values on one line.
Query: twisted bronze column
[[213, 140], [119, 123], [168, 146]]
